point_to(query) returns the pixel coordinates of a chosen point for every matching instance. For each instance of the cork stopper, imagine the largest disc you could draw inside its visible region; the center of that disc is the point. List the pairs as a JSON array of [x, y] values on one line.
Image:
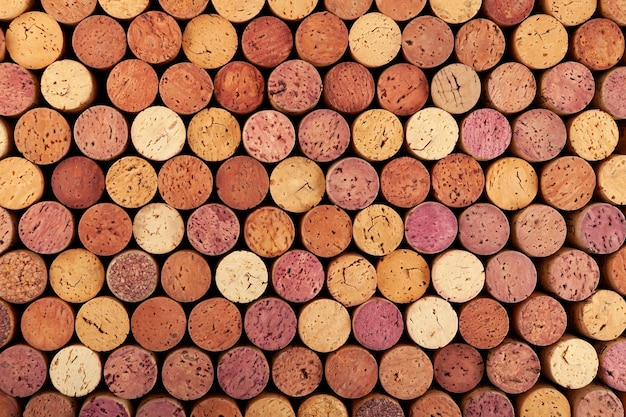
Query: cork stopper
[[405, 371], [269, 403], [610, 90], [69, 12], [294, 87], [485, 134], [34, 39], [213, 229], [77, 182], [402, 99], [513, 367], [539, 42], [43, 136], [76, 371], [159, 404], [349, 88], [455, 88], [403, 276], [351, 371], [351, 279], [158, 133], [218, 124], [23, 370], [102, 324], [539, 135], [241, 276], [270, 323], [23, 183], [269, 231], [483, 229], [377, 230], [458, 367], [592, 144], [99, 41], [539, 319], [132, 275], [348, 9], [510, 87], [323, 135], [132, 85], [158, 228], [185, 88], [326, 230], [542, 399], [486, 399], [570, 273], [377, 404], [538, 230], [431, 322], [214, 405], [243, 372], [268, 136], [215, 324], [324, 325], [571, 362], [455, 13], [598, 44], [158, 324], [457, 275], [567, 182], [101, 400], [427, 235], [611, 370], [374, 39], [183, 9], [209, 41], [479, 44], [601, 316], [612, 10], [290, 11], [47, 323], [508, 12], [352, 183], [510, 276], [48, 401], [242, 182], [8, 323], [427, 42], [566, 88], [297, 371], [239, 87], [322, 404], [267, 41], [377, 324], [404, 182], [377, 135], [614, 270], [101, 133], [431, 134], [11, 10], [298, 276], [432, 402], [68, 86], [124, 10], [297, 184], [483, 323], [598, 228], [47, 227], [24, 276], [131, 182], [130, 372], [511, 183], [105, 229], [238, 13], [185, 182], [457, 180], [595, 398], [187, 373], [186, 276], [401, 10], [20, 90], [321, 39]]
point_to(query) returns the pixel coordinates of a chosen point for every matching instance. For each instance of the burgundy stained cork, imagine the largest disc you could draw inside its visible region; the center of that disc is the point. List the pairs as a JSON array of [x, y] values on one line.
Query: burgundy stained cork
[[218, 124], [102, 400], [185, 88], [349, 88], [243, 372], [612, 368], [185, 182], [297, 371], [209, 40], [486, 401], [404, 182], [511, 183], [458, 367], [158, 323], [457, 275], [183, 9], [538, 230], [539, 319], [374, 39], [215, 324], [352, 183], [213, 229], [269, 231], [377, 324], [99, 41], [132, 85], [571, 362], [510, 276], [483, 229], [321, 39], [268, 136], [187, 373], [348, 9], [270, 323], [598, 44], [8, 229], [567, 182], [351, 371], [266, 41], [158, 133], [431, 322], [297, 184], [23, 370], [595, 399], [77, 182], [241, 276], [513, 367], [566, 88], [570, 274], [186, 276], [377, 135], [323, 135], [485, 134], [510, 87], [242, 182], [434, 402], [46, 227], [158, 228], [539, 42], [405, 371], [130, 372], [403, 276], [22, 183], [457, 180], [508, 12], [20, 89], [430, 227], [479, 44], [8, 323], [427, 42], [154, 37], [160, 406], [351, 279], [377, 404], [43, 136], [610, 92], [614, 270], [239, 87], [538, 135], [602, 316], [51, 402], [455, 88], [102, 323], [47, 323], [402, 89], [598, 228], [298, 276], [324, 325], [542, 399], [237, 13], [483, 323], [401, 10], [34, 40], [101, 133], [24, 276], [76, 370], [322, 404], [216, 405], [294, 87], [326, 230], [377, 230], [132, 275], [105, 229], [592, 134]]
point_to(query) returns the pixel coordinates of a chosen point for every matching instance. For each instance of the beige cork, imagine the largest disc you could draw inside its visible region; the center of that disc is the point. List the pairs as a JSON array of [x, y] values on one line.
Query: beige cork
[[76, 370], [568, 13], [510, 88], [214, 134], [209, 41], [241, 276], [69, 12], [614, 10], [319, 405], [291, 10], [542, 400], [431, 133], [348, 9], [374, 40], [184, 9], [102, 323], [43, 136], [539, 42], [454, 12], [405, 371], [269, 404], [602, 316], [511, 183], [611, 176], [457, 275], [238, 12], [351, 279], [571, 362], [378, 230], [124, 9], [538, 230], [13, 8], [34, 40], [297, 184], [158, 133], [377, 135], [68, 86], [158, 228], [6, 138], [324, 325], [455, 88], [593, 135], [131, 182], [22, 183], [403, 276], [431, 322]]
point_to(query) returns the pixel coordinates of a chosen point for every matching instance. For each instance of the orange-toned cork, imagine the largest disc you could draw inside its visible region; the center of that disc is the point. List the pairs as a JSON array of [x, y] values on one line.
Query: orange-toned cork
[[455, 13], [611, 174], [158, 324], [238, 13], [8, 229], [567, 13], [479, 44], [12, 9], [405, 371], [185, 88], [571, 362], [269, 136], [297, 371], [404, 182], [131, 182], [76, 370], [213, 229], [458, 367], [269, 231], [595, 399], [455, 88], [506, 13], [43, 136], [46, 227], [241, 276], [513, 367], [431, 322], [69, 12], [105, 229], [22, 183], [215, 324], [209, 41], [598, 44], [539, 319], [269, 404], [124, 10], [566, 88], [610, 92], [266, 41], [593, 135], [377, 135], [457, 276], [614, 270], [538, 230], [48, 401], [402, 89], [99, 42], [326, 230], [76, 275], [242, 182], [294, 87], [567, 182], [318, 405], [348, 9], [377, 404], [378, 230], [132, 85], [77, 182], [351, 371], [321, 39], [511, 183], [539, 42], [614, 10], [483, 323], [185, 182], [158, 228], [538, 135], [102, 323], [20, 89], [542, 400], [47, 323], [571, 274], [239, 87], [183, 9], [187, 373], [158, 133], [401, 11], [8, 323], [324, 325], [427, 41], [403, 276], [221, 127], [132, 275], [323, 135], [457, 180], [510, 88], [374, 39], [24, 276], [292, 11], [349, 87], [434, 402], [101, 133], [602, 316], [34, 40], [598, 228], [186, 276], [351, 279], [214, 406], [297, 184]]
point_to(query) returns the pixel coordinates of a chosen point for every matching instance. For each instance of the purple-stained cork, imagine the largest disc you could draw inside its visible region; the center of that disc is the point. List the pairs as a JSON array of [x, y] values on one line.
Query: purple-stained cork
[[352, 183], [23, 370], [485, 134], [213, 229], [430, 227], [510, 276], [132, 275], [243, 372], [598, 228], [323, 135], [377, 324], [160, 406], [187, 373], [483, 229], [270, 323], [105, 404], [298, 276], [486, 402], [46, 227], [130, 372]]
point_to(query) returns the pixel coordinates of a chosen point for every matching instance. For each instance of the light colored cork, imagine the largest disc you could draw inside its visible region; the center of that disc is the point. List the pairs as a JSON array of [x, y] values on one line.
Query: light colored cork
[[292, 11], [158, 133], [510, 88], [158, 228], [431, 133], [348, 9], [209, 41], [479, 44], [455, 88], [131, 182], [377, 135], [43, 136], [69, 12], [538, 230], [76, 370], [269, 404], [238, 13], [511, 183], [403, 276], [297, 184], [602, 316], [318, 405], [124, 10], [351, 279], [431, 322], [102, 323], [13, 8], [539, 42], [324, 325], [455, 13], [68, 86], [542, 399], [241, 276], [34, 40], [457, 275], [22, 183], [219, 125], [374, 39], [269, 231], [571, 362], [377, 230]]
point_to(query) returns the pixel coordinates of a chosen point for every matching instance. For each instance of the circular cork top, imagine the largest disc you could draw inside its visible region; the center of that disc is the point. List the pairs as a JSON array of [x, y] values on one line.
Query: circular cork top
[[427, 41], [158, 324], [184, 9], [349, 87], [187, 373], [47, 323], [571, 362], [567, 182], [404, 182], [479, 44], [216, 403], [348, 10], [483, 229], [223, 129], [213, 229], [77, 182], [290, 11], [430, 227], [105, 229], [351, 279], [513, 367], [209, 41], [158, 133], [23, 183], [510, 276], [20, 89], [455, 13], [610, 90], [266, 41], [458, 367], [570, 273], [185, 182], [483, 323], [324, 325], [405, 371], [374, 39], [243, 372], [102, 323], [47, 401], [294, 87], [297, 371], [540, 41], [99, 41], [24, 276], [131, 182], [297, 184], [239, 87], [132, 275], [614, 268], [598, 44], [377, 230], [613, 10], [101, 133], [352, 183], [592, 134], [598, 228], [377, 135], [485, 134], [34, 40], [542, 399], [510, 88], [69, 12], [130, 372], [485, 399], [23, 370], [401, 10], [269, 231], [455, 88], [8, 229], [12, 9], [124, 10], [351, 371], [241, 276], [321, 39], [43, 136], [106, 401], [538, 135], [432, 402], [322, 404], [215, 324], [8, 323], [298, 276], [431, 133], [399, 97], [457, 180], [506, 13], [601, 316], [377, 404], [566, 88], [611, 370], [68, 86], [242, 182], [540, 319], [238, 13], [76, 371], [538, 230], [268, 136], [431, 322], [326, 230], [457, 275], [158, 228], [611, 174], [403, 276], [132, 85], [159, 404], [323, 135], [186, 276], [377, 324], [178, 81], [511, 183], [270, 323], [46, 227]]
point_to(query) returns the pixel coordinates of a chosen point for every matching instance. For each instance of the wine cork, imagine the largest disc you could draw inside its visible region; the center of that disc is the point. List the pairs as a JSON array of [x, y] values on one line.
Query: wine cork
[[351, 279], [455, 13], [403, 276], [105, 229], [433, 402], [601, 316], [243, 372], [323, 135], [598, 228], [510, 276], [76, 371], [20, 89], [43, 136], [215, 324], [400, 97], [22, 185], [538, 135], [101, 400], [404, 182], [223, 129], [269, 403], [612, 9], [209, 41], [377, 230], [571, 362], [49, 401], [540, 319], [348, 10], [538, 230], [269, 231], [455, 88], [352, 183], [297, 371], [401, 10], [431, 133], [8, 323], [614, 270], [132, 85], [377, 135], [457, 180], [485, 134], [321, 39], [183, 9], [377, 404], [510, 87], [270, 323], [187, 373], [185, 88], [298, 276], [6, 138], [238, 13], [431, 322], [479, 44], [598, 44], [571, 274], [324, 325], [486, 401], [610, 92], [566, 88], [511, 183], [266, 41], [47, 323], [509, 12], [241, 276], [101, 133], [34, 40], [68, 86], [268, 136], [158, 133], [539, 42], [567, 14], [158, 323], [377, 324], [15, 8], [216, 405], [567, 182], [98, 41], [513, 367], [374, 39], [130, 372], [483, 323], [297, 184], [427, 42], [349, 87], [77, 182], [612, 370], [8, 229], [457, 275], [595, 399], [543, 399], [593, 135], [24, 276], [294, 87], [186, 276], [160, 405], [289, 11], [69, 12], [326, 230], [430, 227], [213, 229], [322, 405], [242, 182], [102, 324], [131, 182], [610, 173], [132, 275], [351, 371], [458, 367], [185, 182], [23, 370], [124, 10], [405, 371], [483, 229], [47, 227], [158, 228], [239, 87]]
